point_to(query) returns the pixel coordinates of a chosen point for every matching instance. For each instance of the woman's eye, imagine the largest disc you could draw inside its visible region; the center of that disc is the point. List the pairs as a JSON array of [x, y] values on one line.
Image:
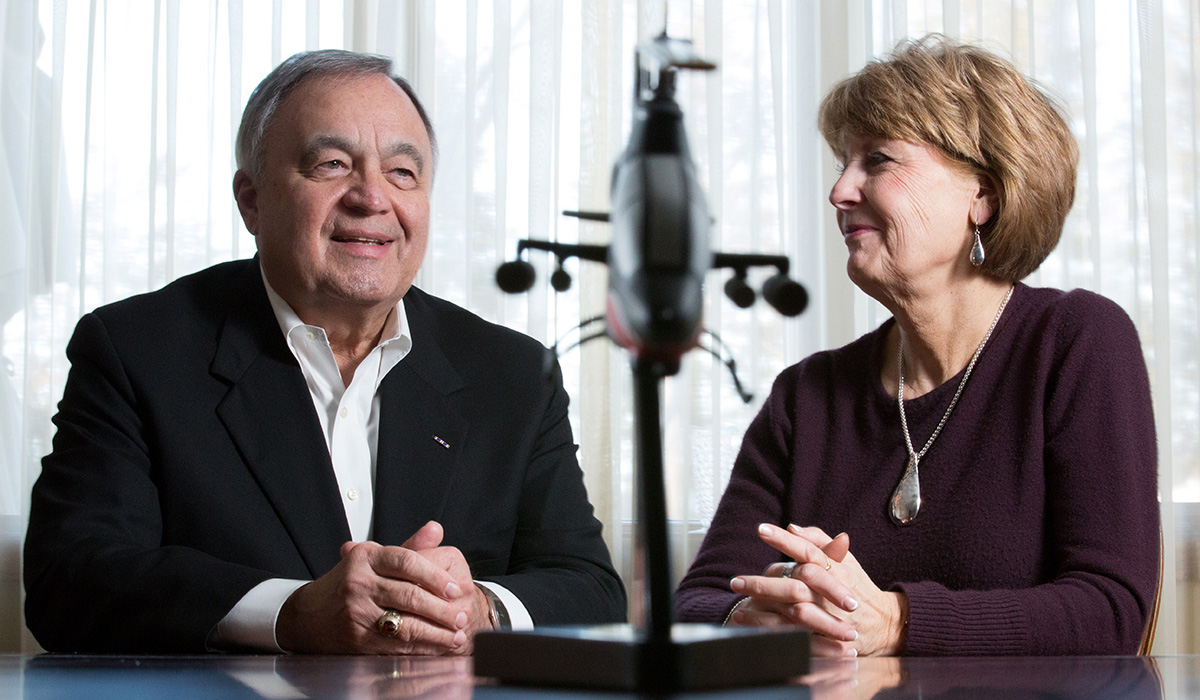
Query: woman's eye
[[877, 158]]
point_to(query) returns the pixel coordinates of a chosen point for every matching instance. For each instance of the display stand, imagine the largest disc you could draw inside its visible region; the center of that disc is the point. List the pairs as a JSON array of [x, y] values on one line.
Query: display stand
[[662, 657]]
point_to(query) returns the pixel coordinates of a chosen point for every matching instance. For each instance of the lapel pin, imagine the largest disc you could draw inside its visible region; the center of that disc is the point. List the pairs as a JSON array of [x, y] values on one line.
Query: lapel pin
[[441, 442]]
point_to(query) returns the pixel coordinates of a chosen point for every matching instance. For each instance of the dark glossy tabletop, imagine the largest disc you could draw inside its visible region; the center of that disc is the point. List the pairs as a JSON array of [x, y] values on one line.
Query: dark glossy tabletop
[[284, 677]]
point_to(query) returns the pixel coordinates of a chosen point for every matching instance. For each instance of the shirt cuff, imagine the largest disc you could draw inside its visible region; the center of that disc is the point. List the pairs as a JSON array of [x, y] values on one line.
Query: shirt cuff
[[518, 616], [251, 623]]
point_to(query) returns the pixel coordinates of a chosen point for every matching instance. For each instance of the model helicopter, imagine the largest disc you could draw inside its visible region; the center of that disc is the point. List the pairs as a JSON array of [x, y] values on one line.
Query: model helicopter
[[659, 252], [658, 257]]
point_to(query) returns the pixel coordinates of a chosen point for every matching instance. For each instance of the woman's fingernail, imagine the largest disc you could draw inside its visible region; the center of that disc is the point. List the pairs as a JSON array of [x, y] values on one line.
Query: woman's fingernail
[[739, 617], [851, 635], [794, 529], [850, 604], [764, 529], [452, 590], [460, 638], [460, 620], [852, 653], [737, 583]]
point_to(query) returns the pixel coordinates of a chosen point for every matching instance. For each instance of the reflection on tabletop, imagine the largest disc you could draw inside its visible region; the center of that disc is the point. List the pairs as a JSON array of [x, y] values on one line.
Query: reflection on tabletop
[[377, 677], [273, 677], [367, 677], [1043, 677]]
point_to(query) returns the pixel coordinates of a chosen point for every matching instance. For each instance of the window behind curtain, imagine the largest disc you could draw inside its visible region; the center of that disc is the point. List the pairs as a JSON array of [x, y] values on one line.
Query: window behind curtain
[[117, 123]]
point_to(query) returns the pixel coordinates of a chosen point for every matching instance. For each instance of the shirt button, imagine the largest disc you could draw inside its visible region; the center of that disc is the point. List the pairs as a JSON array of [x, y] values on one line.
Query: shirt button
[[310, 335], [352, 494], [344, 412]]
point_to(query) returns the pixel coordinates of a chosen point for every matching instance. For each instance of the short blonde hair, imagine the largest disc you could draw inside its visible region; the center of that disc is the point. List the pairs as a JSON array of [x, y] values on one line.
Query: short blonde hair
[[982, 113]]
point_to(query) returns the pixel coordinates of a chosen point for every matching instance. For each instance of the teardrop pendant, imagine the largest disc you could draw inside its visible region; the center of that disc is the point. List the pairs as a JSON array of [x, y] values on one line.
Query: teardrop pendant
[[906, 499], [977, 254]]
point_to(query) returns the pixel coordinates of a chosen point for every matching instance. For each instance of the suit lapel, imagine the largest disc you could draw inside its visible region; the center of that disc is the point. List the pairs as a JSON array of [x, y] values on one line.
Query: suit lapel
[[270, 417], [421, 434]]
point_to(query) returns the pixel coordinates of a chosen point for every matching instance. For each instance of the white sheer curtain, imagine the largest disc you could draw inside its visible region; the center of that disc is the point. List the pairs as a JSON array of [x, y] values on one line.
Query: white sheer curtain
[[116, 158]]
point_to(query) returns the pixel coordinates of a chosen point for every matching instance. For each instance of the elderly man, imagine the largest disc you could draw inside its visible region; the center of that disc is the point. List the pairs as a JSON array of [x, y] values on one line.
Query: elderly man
[[302, 452]]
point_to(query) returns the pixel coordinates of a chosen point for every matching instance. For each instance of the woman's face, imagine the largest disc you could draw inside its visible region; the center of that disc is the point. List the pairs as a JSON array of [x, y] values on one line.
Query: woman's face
[[906, 213]]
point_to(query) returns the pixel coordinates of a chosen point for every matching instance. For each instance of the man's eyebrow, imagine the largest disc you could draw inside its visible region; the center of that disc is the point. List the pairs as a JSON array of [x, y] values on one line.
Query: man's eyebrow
[[321, 142], [406, 148]]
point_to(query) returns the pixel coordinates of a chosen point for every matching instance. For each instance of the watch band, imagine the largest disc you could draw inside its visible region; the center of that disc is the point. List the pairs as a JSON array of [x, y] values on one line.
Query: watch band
[[497, 613]]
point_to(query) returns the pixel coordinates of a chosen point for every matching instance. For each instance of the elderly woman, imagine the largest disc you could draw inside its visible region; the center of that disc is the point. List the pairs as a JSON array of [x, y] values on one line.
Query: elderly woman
[[988, 454]]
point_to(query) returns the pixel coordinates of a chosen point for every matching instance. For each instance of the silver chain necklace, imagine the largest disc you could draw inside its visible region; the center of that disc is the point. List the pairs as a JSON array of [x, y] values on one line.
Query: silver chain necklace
[[906, 499]]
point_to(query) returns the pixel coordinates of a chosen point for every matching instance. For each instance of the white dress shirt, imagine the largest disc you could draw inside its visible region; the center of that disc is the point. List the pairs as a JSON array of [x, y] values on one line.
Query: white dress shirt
[[349, 418]]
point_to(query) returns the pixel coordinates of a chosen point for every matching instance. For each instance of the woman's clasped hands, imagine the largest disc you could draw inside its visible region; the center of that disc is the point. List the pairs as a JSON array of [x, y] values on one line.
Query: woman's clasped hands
[[825, 590]]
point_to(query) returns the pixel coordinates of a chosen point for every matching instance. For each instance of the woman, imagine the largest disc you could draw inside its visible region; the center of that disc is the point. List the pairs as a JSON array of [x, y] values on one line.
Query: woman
[[989, 452]]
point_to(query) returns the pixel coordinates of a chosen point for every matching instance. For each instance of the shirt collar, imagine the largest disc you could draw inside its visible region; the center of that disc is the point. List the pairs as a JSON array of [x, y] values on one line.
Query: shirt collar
[[396, 339]]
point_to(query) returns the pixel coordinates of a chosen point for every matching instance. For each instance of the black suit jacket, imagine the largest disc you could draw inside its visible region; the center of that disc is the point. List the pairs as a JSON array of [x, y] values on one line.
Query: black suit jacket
[[189, 466]]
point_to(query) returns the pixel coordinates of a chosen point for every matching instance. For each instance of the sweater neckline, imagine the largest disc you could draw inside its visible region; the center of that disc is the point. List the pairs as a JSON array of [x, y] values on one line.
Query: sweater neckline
[[940, 394]]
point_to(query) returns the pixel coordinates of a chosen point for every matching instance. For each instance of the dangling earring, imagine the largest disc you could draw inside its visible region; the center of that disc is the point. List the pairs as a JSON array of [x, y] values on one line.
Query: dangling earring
[[977, 250]]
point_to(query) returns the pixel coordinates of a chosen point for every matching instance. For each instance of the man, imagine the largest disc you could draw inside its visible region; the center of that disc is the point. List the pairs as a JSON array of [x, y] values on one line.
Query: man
[[195, 500]]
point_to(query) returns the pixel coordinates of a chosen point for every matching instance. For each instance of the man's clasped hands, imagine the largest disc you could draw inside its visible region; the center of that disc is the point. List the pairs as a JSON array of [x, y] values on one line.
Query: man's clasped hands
[[429, 585]]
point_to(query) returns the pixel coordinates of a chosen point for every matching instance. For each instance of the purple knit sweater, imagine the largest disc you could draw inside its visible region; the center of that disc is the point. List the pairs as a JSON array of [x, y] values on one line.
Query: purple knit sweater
[[1039, 524]]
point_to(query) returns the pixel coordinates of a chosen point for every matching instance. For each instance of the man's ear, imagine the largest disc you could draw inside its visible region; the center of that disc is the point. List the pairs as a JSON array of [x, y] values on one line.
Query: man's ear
[[246, 195], [987, 200]]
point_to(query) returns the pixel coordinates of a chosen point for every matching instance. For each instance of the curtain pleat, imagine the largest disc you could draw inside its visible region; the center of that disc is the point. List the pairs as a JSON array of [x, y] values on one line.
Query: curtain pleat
[[276, 32], [211, 43], [152, 161], [85, 198], [236, 15], [502, 39], [710, 459], [1089, 162], [172, 154], [470, 133], [1154, 122], [600, 63]]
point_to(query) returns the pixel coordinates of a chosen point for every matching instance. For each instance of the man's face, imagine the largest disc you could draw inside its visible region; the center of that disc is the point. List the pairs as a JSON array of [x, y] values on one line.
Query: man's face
[[341, 212]]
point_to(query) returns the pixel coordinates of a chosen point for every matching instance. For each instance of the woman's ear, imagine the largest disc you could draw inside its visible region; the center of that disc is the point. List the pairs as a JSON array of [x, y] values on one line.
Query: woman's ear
[[986, 202]]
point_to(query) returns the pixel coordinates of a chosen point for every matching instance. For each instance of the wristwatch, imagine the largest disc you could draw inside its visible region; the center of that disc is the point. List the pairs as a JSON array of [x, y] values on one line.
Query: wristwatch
[[497, 613]]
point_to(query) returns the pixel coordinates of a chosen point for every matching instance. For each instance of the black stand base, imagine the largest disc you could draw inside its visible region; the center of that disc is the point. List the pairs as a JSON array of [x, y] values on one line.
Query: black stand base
[[617, 657]]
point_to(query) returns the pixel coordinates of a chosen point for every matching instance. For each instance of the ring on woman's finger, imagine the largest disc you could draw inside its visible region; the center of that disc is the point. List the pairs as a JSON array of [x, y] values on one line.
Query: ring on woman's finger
[[389, 623], [828, 563], [786, 570]]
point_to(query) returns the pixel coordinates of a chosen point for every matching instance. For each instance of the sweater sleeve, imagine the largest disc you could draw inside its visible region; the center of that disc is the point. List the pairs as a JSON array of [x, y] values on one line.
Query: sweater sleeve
[[754, 495], [1103, 527]]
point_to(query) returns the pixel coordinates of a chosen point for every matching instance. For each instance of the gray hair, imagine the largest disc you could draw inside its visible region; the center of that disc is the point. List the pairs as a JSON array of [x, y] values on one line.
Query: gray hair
[[294, 72]]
